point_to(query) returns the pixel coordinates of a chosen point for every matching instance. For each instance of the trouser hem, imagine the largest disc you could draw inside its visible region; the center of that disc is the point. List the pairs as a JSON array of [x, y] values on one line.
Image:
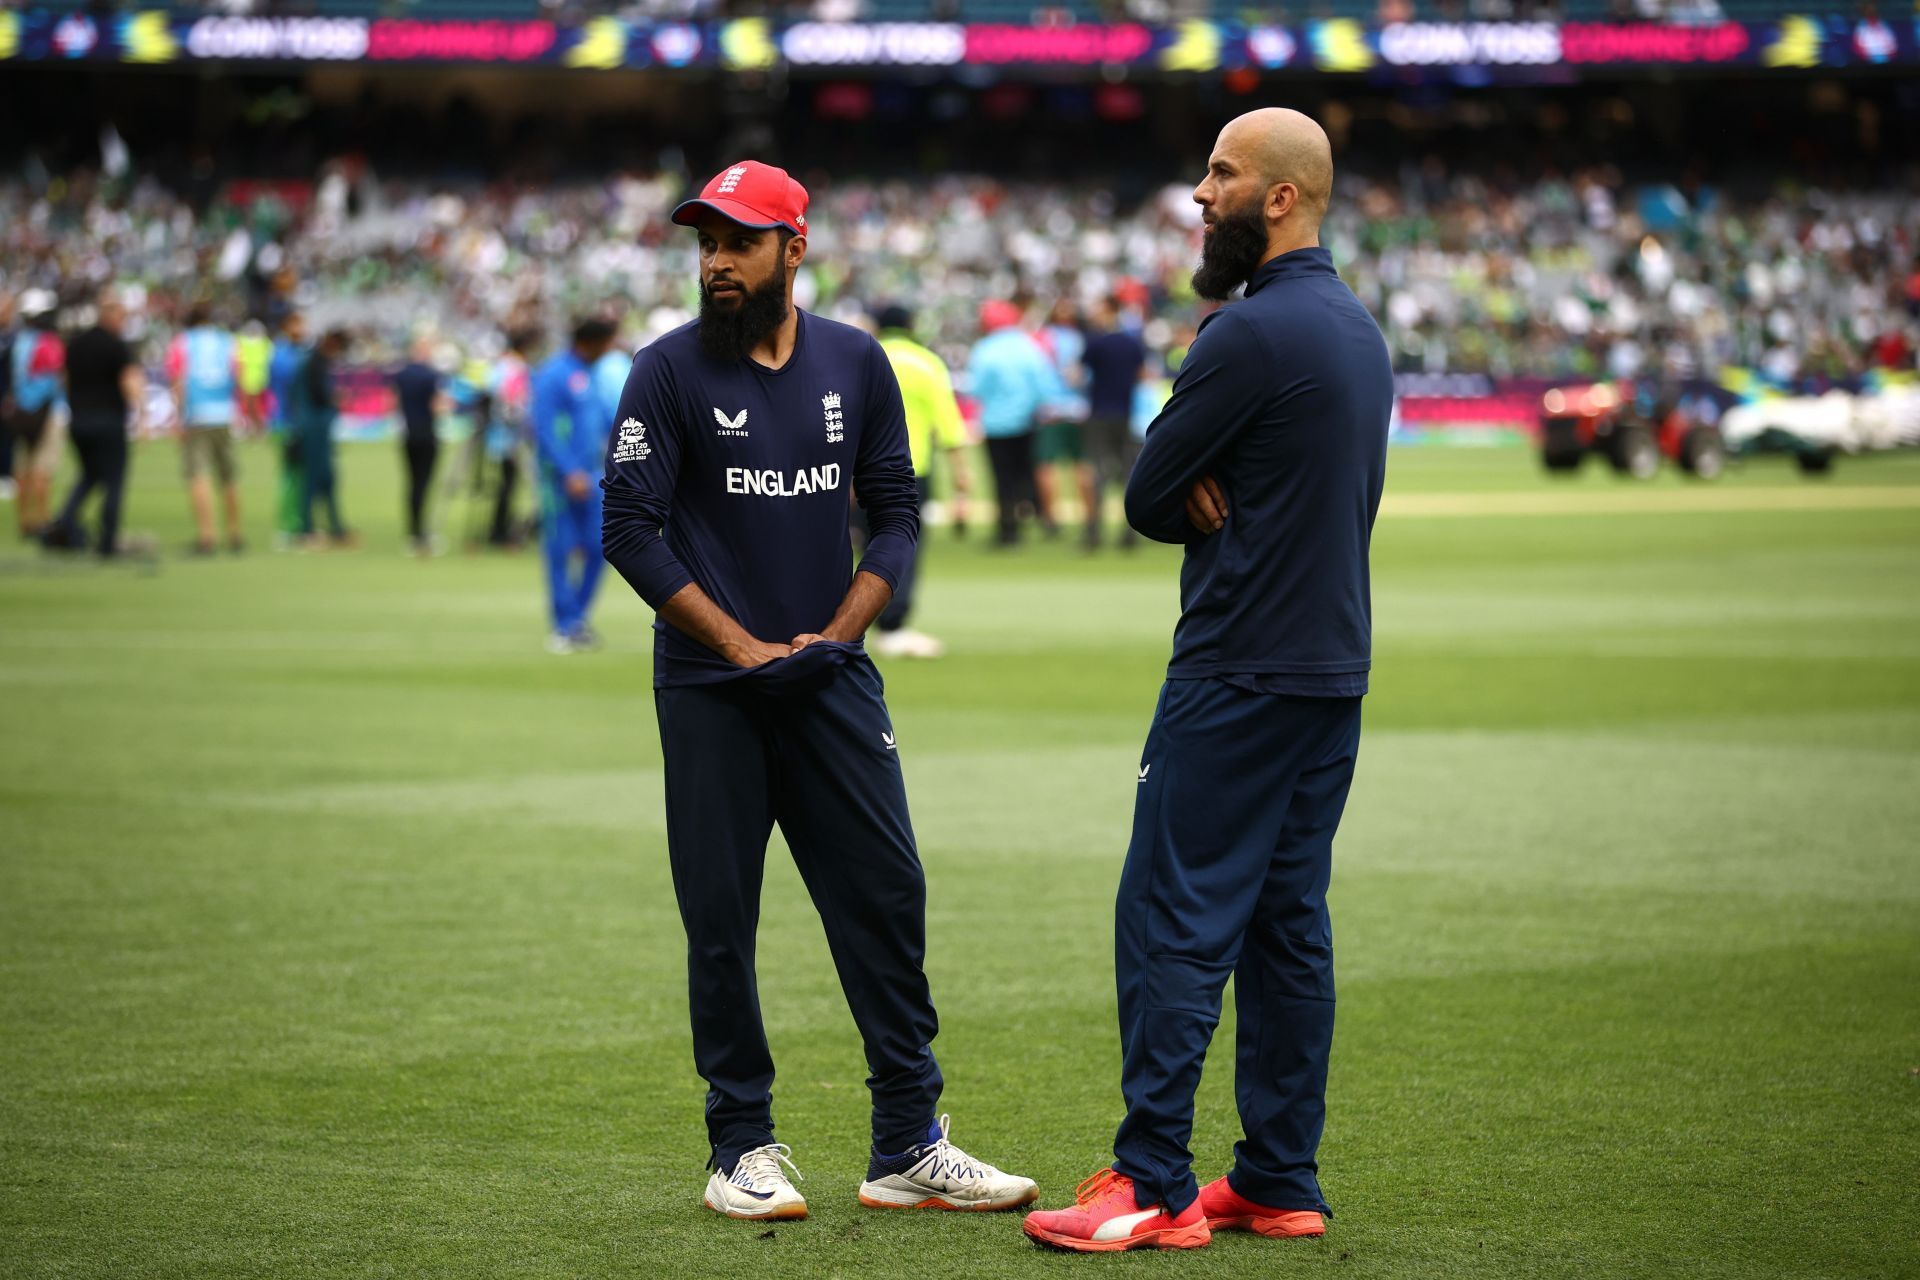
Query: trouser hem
[[1268, 1196]]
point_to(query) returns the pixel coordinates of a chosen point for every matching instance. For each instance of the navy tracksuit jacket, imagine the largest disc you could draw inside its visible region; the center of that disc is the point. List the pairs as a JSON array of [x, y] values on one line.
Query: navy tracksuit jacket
[[1284, 400], [737, 477]]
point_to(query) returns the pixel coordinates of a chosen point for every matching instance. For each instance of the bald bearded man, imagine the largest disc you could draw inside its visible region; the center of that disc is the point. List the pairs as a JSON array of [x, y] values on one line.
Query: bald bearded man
[[1267, 465]]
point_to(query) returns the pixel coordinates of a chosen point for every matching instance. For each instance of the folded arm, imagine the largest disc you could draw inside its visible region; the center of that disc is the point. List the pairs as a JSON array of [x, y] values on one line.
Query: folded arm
[[1220, 388]]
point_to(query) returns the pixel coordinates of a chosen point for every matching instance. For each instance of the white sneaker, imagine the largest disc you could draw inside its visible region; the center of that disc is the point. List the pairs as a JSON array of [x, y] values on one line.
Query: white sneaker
[[757, 1187], [7, 489], [561, 644], [907, 644], [939, 1175]]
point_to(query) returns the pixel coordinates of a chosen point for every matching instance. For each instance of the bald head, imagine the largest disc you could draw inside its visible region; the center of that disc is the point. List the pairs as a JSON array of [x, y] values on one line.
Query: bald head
[[1286, 146], [1274, 165], [1264, 194]]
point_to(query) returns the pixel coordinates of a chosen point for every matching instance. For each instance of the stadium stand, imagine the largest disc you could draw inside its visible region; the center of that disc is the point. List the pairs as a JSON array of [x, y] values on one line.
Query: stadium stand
[[1583, 274]]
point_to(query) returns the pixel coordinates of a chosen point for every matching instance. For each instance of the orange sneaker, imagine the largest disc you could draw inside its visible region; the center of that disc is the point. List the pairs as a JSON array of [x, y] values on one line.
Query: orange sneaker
[[1228, 1210], [1106, 1219]]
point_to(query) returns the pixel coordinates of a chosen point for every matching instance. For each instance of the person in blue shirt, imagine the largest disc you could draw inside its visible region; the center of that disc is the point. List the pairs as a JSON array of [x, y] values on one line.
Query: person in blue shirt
[[741, 438], [1012, 381], [570, 423], [289, 353], [1060, 441], [610, 373], [1266, 464], [206, 387], [1150, 396]]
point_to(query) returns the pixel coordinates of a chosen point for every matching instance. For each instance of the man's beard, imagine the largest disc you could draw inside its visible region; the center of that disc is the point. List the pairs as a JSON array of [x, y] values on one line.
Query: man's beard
[[1230, 253], [728, 331]]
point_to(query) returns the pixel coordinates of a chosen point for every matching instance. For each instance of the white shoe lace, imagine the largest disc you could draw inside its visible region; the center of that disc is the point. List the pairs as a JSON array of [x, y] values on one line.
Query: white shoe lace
[[764, 1162], [957, 1163]]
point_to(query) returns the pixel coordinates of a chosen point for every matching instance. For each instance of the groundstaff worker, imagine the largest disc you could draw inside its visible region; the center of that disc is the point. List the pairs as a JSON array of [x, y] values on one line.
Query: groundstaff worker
[[737, 441], [1267, 463]]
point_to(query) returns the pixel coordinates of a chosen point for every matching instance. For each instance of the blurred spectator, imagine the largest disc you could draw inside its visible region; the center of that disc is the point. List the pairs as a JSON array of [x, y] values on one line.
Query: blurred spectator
[[1059, 443], [38, 420], [1114, 360], [417, 388], [104, 386], [509, 433], [7, 335], [203, 367], [289, 353], [570, 426], [934, 426], [1012, 382], [253, 353], [315, 407]]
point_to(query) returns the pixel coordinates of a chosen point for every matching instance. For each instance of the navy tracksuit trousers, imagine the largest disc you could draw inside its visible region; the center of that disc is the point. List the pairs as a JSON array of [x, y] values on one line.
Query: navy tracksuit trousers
[[818, 758], [1226, 875]]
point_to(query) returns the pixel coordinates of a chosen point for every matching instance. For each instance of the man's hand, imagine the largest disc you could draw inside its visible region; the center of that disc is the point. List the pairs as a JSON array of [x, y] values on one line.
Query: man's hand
[[1207, 506], [754, 653], [578, 486], [804, 639], [692, 611], [866, 597]]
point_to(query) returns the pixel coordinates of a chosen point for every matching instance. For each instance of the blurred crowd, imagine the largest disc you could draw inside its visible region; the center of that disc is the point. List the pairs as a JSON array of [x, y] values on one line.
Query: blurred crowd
[[1579, 274], [290, 307]]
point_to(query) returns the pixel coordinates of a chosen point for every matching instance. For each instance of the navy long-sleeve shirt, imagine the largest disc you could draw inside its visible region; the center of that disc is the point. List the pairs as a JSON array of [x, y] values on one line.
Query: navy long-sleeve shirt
[[736, 477], [1283, 399]]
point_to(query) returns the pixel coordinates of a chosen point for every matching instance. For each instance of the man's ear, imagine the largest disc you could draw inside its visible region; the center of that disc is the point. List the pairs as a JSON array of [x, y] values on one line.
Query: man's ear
[[796, 251], [1281, 199]]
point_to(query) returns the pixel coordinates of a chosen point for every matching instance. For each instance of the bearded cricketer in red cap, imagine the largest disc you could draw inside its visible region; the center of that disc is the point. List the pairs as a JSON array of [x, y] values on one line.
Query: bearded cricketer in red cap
[[738, 439]]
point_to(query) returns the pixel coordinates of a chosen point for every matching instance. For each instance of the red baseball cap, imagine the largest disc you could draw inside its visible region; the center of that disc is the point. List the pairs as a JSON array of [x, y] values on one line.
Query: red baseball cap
[[998, 314], [753, 195]]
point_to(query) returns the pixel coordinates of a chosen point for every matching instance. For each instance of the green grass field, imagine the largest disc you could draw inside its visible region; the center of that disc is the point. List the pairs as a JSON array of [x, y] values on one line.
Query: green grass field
[[338, 938]]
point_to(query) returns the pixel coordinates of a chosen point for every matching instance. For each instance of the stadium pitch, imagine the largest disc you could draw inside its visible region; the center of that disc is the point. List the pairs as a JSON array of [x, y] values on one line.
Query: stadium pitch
[[338, 938]]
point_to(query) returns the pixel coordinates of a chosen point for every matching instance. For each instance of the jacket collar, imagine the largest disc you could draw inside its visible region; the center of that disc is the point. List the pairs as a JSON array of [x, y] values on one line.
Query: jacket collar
[[1301, 262]]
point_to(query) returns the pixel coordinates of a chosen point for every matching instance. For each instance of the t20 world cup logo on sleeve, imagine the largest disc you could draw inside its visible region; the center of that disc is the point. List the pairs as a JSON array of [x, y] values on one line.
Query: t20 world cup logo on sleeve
[[632, 445]]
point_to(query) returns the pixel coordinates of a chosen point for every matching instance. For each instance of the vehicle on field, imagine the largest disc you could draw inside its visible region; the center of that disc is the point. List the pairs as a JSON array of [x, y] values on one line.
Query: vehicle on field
[[1815, 430], [1634, 426]]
